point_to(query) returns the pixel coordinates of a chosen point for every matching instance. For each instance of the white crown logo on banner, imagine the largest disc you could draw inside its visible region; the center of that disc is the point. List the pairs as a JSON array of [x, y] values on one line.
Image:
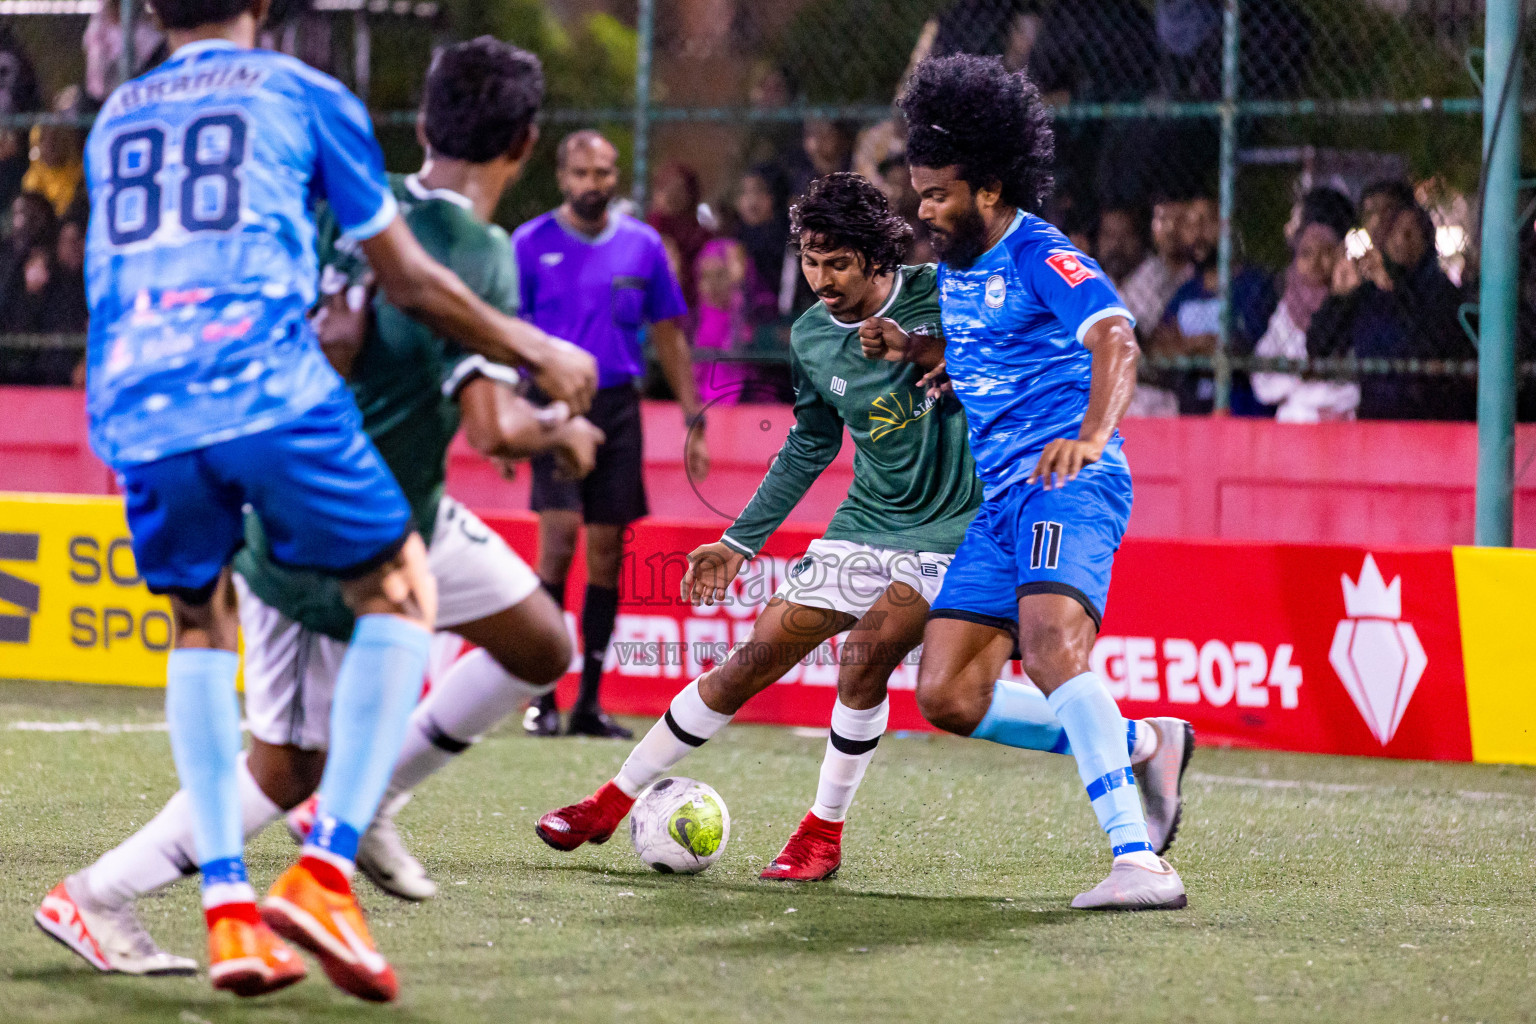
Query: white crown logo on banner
[[1379, 658]]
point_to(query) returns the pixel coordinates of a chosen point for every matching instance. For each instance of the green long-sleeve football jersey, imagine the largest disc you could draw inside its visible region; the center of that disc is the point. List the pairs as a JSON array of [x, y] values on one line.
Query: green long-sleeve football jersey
[[914, 482]]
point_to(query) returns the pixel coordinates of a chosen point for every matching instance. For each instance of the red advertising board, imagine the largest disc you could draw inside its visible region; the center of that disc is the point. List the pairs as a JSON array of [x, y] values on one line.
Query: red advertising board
[[1324, 649]]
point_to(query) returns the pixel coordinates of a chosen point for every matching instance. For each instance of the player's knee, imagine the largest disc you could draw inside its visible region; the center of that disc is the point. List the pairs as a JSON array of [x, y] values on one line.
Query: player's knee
[[1053, 650], [287, 775], [945, 707]]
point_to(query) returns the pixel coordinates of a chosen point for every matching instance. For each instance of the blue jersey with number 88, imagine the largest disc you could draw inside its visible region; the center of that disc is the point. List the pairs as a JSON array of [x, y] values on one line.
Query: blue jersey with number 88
[[200, 259]]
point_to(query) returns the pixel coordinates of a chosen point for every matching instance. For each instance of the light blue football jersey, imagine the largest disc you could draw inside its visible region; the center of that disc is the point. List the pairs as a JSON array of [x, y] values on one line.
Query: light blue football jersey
[[200, 255], [1013, 327]]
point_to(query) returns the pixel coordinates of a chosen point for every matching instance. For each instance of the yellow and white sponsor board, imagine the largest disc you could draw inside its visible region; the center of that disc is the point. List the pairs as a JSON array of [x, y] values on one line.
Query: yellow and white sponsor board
[[72, 605]]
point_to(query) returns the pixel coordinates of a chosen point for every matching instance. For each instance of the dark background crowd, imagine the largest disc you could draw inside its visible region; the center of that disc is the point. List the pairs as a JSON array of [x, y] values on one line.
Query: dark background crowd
[[1371, 262]]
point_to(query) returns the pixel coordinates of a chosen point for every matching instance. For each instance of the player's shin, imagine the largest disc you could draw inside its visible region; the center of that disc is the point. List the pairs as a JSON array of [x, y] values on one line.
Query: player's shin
[[850, 748], [376, 691], [687, 725], [468, 701], [204, 720], [1021, 716], [1098, 737]]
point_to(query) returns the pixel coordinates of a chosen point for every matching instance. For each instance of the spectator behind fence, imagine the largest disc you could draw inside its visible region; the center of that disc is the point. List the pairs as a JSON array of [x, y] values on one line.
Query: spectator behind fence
[[32, 226], [58, 165], [1149, 287], [1120, 243], [674, 213], [1189, 326], [1400, 306], [1317, 247], [771, 87], [722, 325], [103, 46], [66, 311], [762, 212]]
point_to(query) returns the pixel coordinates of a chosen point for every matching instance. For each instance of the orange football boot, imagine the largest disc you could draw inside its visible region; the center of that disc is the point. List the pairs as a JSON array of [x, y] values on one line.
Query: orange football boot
[[311, 905], [245, 958]]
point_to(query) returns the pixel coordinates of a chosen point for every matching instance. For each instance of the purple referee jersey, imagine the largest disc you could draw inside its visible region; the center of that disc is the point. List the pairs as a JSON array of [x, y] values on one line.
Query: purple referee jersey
[[596, 292]]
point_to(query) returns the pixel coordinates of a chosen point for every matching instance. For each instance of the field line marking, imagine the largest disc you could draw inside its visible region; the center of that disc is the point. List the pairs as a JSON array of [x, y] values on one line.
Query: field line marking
[[91, 725], [1344, 787]]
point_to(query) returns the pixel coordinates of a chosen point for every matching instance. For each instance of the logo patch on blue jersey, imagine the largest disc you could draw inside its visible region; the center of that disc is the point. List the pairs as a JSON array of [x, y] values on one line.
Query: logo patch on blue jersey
[[997, 291]]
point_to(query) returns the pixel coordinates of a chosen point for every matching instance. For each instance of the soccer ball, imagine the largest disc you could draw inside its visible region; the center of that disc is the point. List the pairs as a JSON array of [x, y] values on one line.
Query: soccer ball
[[679, 826]]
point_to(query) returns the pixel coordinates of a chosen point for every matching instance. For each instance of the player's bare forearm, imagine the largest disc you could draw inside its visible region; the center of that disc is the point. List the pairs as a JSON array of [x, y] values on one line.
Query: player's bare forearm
[[500, 424], [884, 339], [1113, 382], [677, 365], [428, 291]]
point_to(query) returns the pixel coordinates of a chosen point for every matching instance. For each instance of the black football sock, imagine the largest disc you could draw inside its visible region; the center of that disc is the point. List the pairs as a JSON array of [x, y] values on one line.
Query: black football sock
[[597, 617]]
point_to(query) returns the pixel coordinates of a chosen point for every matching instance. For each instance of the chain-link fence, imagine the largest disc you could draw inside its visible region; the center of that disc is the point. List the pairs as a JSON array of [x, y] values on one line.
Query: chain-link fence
[[1189, 132]]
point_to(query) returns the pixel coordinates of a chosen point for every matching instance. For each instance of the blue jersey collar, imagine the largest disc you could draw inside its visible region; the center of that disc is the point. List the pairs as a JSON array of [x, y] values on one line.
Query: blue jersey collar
[[202, 46]]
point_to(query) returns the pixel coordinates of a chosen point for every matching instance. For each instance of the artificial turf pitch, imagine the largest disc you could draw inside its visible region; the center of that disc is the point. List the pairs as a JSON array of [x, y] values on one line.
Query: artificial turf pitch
[[1320, 889]]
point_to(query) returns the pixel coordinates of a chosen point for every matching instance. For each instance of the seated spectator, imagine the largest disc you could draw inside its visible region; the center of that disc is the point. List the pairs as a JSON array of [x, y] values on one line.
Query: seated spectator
[[103, 46], [1120, 243], [1401, 306], [762, 212], [1191, 323], [58, 166], [33, 226], [771, 87], [65, 311], [827, 147], [722, 273], [1318, 246], [674, 213], [1148, 288]]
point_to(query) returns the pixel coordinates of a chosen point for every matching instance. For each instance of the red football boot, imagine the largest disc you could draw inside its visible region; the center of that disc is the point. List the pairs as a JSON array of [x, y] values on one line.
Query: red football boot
[[813, 853], [591, 821]]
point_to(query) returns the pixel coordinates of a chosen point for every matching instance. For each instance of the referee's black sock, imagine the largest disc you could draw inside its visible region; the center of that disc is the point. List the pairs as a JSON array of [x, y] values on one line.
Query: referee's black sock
[[597, 617], [556, 591]]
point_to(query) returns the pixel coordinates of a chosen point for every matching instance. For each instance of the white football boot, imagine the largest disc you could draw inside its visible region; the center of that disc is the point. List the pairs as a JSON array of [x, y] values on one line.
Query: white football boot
[[1133, 887], [112, 941], [1160, 778], [382, 856]]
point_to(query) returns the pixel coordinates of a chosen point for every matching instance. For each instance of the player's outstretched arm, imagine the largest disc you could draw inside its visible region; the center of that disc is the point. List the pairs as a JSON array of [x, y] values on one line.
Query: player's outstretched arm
[[423, 288], [504, 426], [1113, 382]]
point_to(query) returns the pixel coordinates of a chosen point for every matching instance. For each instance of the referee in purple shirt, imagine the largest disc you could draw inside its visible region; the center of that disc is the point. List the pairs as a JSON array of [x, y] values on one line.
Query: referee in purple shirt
[[595, 277]]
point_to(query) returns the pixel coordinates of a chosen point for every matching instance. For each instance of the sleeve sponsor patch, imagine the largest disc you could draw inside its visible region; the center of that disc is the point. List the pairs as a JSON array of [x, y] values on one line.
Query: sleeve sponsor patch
[[1070, 267]]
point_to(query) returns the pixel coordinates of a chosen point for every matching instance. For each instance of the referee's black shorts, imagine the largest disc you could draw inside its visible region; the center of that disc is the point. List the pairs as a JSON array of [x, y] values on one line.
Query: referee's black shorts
[[613, 494]]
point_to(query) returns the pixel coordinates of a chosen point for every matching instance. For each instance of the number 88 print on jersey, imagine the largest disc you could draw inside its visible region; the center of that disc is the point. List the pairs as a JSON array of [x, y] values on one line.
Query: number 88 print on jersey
[[200, 255], [1059, 541]]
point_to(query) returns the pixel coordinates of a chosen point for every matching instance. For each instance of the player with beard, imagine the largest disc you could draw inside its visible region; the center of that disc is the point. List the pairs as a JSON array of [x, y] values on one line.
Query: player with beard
[[597, 276], [879, 565], [1042, 355]]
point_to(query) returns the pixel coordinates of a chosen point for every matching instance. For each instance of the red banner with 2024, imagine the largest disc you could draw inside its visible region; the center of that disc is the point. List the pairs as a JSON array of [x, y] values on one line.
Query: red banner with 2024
[[1332, 649]]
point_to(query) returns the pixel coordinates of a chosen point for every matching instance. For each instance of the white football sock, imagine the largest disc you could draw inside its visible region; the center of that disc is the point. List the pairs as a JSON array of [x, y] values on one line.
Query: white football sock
[[472, 696], [162, 851], [850, 748], [685, 727]]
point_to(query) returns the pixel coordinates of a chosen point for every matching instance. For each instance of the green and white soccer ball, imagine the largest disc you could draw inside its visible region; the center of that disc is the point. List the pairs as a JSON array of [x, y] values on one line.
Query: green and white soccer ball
[[679, 826]]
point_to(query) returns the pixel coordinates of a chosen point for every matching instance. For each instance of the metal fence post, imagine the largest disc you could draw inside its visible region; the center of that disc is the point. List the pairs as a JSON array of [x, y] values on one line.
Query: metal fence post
[[128, 60], [646, 32], [1500, 275], [1229, 51]]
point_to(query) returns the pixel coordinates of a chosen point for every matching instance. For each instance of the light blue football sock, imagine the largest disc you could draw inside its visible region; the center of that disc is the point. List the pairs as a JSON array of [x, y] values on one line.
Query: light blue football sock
[[1021, 716], [376, 691], [1098, 737], [203, 715]]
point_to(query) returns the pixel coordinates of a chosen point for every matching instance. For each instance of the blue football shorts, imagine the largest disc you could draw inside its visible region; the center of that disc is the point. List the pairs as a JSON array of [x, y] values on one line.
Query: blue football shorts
[[323, 493], [1061, 541]]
